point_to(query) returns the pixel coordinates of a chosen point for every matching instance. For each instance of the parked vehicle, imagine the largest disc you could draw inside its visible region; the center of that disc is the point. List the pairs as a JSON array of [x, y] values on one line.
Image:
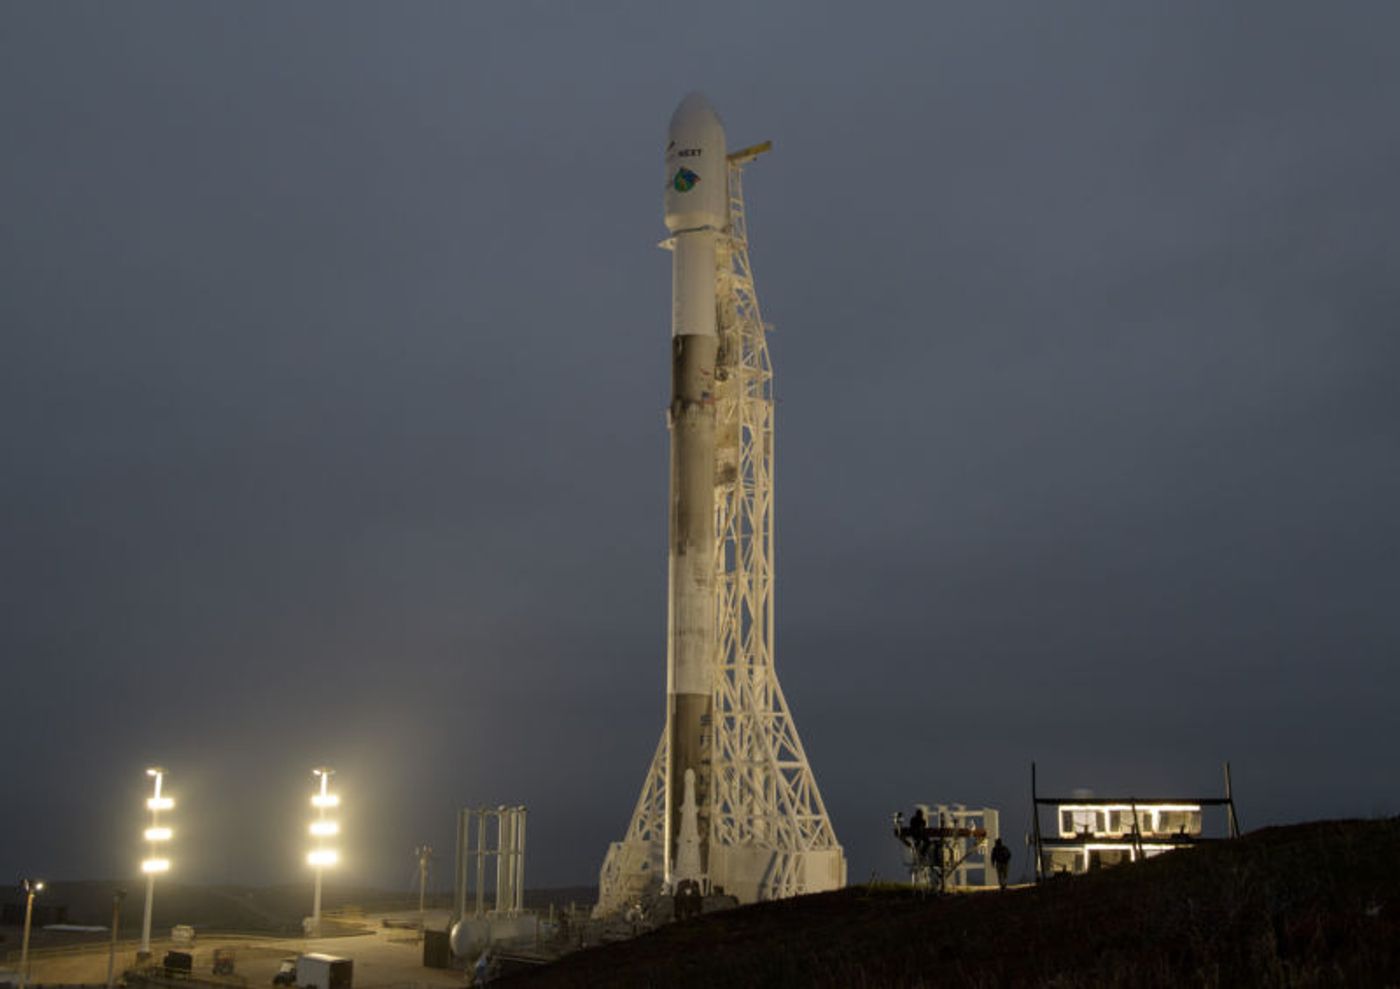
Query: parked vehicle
[[286, 974], [223, 961], [315, 971]]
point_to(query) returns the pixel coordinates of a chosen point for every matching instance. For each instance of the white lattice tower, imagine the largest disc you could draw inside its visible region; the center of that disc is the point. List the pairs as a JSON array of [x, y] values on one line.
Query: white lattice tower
[[770, 836]]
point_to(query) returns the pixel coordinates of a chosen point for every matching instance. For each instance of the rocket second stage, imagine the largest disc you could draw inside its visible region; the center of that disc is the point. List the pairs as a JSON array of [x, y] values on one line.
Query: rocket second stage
[[697, 205]]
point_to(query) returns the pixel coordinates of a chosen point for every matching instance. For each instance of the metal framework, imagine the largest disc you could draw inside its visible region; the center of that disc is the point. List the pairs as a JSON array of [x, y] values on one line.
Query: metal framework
[[507, 826], [959, 845], [770, 835]]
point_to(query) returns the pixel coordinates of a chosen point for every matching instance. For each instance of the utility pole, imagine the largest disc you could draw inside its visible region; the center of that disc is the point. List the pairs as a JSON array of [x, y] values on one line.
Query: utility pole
[[424, 853], [117, 898]]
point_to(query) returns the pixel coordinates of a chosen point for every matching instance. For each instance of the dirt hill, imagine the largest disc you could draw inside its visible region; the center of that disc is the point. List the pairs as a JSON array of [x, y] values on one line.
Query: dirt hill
[[1306, 905]]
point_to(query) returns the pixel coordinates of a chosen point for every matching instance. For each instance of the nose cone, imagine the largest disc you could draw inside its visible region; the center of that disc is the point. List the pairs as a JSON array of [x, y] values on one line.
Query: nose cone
[[697, 193], [695, 118]]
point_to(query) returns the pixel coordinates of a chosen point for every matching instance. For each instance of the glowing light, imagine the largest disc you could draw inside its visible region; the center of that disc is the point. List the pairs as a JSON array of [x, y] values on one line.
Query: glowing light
[[152, 866], [1108, 820], [1127, 807], [160, 803], [325, 829], [325, 800], [323, 857], [158, 834]]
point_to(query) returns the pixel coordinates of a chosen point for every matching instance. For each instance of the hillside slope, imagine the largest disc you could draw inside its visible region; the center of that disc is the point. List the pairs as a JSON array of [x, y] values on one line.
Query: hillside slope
[[1313, 904]]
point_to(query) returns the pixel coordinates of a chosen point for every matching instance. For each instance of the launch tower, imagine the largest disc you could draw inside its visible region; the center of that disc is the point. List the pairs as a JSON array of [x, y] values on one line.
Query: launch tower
[[744, 816]]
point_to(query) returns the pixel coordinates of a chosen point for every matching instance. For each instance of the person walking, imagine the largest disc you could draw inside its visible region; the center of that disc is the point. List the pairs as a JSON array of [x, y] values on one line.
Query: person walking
[[1001, 859]]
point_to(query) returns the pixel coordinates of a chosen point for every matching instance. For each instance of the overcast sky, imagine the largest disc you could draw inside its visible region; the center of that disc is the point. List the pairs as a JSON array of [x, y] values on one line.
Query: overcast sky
[[335, 349]]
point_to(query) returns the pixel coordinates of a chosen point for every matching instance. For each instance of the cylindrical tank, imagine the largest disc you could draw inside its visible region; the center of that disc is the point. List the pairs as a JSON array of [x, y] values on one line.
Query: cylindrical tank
[[471, 934]]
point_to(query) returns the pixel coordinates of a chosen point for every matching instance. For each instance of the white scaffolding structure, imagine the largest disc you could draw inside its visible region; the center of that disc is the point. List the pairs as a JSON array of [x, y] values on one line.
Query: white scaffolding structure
[[964, 837], [476, 826], [770, 836]]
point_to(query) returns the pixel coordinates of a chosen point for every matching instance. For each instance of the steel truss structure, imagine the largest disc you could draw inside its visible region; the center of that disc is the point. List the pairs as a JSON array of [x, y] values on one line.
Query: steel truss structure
[[769, 832], [959, 842]]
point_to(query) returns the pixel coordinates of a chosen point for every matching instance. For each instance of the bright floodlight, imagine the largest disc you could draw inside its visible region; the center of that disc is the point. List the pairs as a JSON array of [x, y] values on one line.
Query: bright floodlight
[[155, 864], [321, 828]]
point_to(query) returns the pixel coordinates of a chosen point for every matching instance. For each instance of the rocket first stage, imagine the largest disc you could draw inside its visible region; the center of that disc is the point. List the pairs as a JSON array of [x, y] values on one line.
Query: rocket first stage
[[697, 205]]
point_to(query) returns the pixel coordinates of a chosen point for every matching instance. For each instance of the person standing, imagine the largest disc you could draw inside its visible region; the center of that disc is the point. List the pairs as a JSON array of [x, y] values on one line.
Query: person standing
[[1001, 859], [918, 833]]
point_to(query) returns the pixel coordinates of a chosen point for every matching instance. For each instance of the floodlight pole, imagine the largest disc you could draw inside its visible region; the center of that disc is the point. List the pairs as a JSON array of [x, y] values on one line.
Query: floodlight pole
[[319, 857], [154, 834], [316, 897], [146, 916], [30, 887]]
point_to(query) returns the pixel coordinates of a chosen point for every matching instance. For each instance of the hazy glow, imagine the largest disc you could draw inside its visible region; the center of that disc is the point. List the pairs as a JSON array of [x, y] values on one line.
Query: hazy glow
[[322, 857], [325, 800], [1125, 807], [155, 865], [1107, 820], [160, 803], [158, 834], [325, 829]]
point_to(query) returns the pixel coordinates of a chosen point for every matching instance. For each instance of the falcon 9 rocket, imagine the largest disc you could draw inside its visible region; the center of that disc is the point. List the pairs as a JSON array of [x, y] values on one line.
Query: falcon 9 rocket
[[696, 204]]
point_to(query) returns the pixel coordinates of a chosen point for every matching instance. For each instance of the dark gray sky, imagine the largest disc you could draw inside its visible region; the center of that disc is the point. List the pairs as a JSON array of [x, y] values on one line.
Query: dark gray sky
[[334, 360]]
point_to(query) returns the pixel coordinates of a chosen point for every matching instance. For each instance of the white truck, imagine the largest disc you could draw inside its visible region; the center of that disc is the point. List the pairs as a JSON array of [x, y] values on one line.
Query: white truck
[[316, 971]]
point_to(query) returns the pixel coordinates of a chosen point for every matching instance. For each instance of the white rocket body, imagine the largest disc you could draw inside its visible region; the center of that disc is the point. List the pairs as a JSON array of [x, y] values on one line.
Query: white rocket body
[[697, 206]]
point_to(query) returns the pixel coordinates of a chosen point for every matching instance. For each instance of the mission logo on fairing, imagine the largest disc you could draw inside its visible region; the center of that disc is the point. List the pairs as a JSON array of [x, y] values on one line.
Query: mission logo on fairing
[[685, 180]]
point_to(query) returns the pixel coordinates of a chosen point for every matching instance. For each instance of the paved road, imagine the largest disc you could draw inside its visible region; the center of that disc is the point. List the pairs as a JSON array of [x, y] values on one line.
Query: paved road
[[383, 958]]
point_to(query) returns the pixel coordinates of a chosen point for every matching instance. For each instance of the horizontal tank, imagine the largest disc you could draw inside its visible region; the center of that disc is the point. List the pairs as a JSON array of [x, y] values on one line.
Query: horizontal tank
[[472, 934]]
